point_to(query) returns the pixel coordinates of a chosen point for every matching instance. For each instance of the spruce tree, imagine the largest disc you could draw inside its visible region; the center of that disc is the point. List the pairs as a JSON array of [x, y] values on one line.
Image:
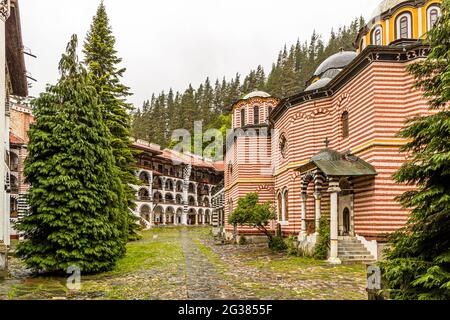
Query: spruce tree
[[418, 263], [102, 61], [75, 216]]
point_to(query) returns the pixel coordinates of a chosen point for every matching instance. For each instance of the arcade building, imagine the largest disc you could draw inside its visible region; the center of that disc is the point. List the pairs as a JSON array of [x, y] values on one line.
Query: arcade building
[[176, 188], [331, 150]]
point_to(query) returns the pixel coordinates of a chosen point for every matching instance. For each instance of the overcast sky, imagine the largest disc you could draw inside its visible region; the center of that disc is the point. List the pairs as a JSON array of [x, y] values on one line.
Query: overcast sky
[[171, 43]]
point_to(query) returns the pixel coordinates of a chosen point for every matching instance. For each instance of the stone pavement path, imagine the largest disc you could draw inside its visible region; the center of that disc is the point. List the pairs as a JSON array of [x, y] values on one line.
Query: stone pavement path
[[202, 281], [187, 263]]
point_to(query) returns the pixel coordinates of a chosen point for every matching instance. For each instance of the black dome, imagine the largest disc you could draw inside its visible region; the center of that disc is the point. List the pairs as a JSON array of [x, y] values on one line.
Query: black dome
[[335, 62]]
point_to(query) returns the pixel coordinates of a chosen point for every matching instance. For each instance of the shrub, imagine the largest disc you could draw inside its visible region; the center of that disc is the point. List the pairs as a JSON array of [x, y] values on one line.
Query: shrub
[[277, 244], [292, 248], [323, 243], [242, 240]]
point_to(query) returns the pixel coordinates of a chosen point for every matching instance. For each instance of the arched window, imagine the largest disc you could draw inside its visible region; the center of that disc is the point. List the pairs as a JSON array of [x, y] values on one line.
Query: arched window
[[433, 14], [377, 36], [404, 26], [362, 44], [242, 117], [270, 110], [255, 115], [280, 207], [344, 119], [286, 206]]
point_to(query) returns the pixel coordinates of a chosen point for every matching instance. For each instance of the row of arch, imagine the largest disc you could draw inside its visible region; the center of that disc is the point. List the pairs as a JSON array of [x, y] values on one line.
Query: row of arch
[[173, 215], [169, 197], [404, 25], [171, 184], [318, 180]]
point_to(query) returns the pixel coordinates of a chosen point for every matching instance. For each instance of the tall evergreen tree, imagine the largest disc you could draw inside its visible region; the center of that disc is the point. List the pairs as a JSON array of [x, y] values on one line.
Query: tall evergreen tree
[[418, 264], [75, 216], [102, 61]]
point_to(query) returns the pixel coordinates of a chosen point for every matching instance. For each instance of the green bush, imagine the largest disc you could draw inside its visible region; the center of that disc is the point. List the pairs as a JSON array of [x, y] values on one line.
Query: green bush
[[323, 243], [292, 249], [277, 244], [242, 240]]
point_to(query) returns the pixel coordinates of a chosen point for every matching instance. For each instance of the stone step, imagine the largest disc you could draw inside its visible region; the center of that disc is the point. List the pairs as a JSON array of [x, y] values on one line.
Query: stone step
[[350, 242], [351, 250], [360, 252], [352, 247], [351, 262], [356, 257]]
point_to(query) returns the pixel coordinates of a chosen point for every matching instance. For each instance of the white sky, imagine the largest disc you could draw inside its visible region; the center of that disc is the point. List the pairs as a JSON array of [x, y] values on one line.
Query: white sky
[[171, 43]]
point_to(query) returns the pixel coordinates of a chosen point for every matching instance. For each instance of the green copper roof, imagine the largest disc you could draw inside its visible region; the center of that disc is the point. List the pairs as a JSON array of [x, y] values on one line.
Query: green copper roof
[[344, 165]]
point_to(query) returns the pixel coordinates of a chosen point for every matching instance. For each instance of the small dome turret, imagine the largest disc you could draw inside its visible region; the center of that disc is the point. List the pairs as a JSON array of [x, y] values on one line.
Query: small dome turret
[[335, 63], [384, 6], [255, 94], [330, 68]]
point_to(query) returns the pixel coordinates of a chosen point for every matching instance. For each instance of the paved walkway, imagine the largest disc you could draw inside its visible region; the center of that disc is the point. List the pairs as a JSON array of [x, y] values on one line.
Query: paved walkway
[[186, 263], [202, 281]]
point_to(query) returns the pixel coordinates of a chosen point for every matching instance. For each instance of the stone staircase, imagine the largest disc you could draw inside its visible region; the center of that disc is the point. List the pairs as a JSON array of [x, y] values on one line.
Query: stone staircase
[[351, 250]]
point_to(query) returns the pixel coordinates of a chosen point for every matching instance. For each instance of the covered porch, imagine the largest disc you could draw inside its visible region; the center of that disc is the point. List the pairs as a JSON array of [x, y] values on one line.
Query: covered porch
[[328, 179]]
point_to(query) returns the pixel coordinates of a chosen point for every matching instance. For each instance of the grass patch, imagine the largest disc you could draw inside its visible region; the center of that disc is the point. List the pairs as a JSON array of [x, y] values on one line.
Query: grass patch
[[156, 249], [285, 264]]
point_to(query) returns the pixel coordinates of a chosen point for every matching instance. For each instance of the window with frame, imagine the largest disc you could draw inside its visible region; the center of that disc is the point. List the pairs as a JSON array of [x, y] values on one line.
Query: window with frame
[[286, 206], [377, 35], [242, 117], [345, 127], [280, 208], [404, 26], [433, 14], [255, 115]]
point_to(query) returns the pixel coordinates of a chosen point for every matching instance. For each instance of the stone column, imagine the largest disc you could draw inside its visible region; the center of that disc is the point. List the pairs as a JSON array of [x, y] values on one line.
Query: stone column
[[195, 197], [150, 187], [151, 219], [318, 198], [196, 219], [175, 219], [303, 226], [203, 218], [334, 190], [164, 218], [163, 185]]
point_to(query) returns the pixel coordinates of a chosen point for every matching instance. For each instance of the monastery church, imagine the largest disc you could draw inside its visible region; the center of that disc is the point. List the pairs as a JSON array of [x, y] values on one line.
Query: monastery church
[[332, 149]]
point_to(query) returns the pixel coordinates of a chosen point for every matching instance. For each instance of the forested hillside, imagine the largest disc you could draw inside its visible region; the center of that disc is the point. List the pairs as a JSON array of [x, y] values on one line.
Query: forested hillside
[[167, 111]]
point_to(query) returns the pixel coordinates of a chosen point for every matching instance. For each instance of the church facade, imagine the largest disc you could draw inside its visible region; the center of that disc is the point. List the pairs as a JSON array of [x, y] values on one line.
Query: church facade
[[332, 149]]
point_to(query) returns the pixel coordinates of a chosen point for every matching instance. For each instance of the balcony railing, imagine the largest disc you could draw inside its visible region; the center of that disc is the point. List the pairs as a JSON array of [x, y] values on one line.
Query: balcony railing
[[144, 198]]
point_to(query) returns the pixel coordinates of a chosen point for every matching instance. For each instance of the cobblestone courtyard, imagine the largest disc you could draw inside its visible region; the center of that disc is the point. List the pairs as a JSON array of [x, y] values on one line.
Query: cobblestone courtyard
[[185, 263]]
